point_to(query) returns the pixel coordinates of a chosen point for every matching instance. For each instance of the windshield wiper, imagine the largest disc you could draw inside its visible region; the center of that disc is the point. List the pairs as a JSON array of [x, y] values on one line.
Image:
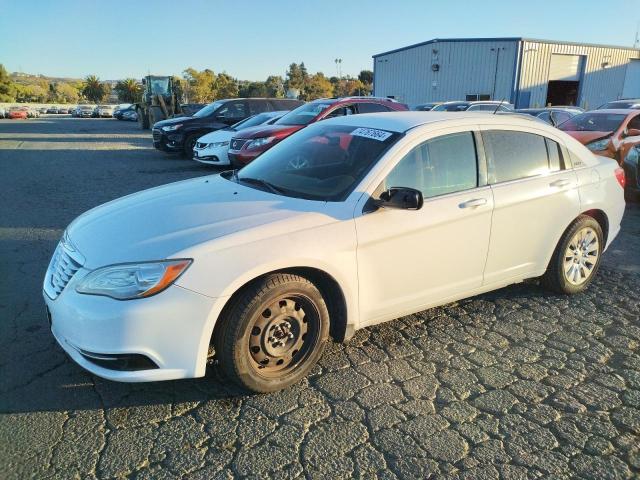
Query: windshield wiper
[[259, 181]]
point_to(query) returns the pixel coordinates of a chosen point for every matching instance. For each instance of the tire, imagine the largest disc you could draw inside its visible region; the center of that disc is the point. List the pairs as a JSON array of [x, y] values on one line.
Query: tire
[[576, 259], [263, 352], [143, 120], [189, 143]]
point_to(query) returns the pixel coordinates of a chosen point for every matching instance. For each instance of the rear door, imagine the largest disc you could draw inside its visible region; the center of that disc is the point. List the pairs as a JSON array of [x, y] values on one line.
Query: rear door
[[536, 197]]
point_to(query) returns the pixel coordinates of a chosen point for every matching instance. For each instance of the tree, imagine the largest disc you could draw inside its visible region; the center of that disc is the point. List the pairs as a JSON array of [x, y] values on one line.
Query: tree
[[366, 77], [225, 86], [7, 90], [275, 86], [128, 90], [199, 85], [317, 86], [350, 87], [253, 89], [94, 90], [297, 76], [66, 93]]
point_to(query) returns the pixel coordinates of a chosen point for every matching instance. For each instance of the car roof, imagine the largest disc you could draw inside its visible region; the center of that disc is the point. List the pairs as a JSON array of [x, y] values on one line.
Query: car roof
[[404, 121], [621, 111]]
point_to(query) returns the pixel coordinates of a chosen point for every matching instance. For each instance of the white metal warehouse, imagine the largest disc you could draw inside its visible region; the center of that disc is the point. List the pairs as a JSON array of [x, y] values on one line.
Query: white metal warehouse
[[522, 71]]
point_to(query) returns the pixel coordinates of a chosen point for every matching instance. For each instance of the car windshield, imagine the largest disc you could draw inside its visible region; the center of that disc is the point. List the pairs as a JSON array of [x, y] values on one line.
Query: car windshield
[[208, 110], [303, 114], [322, 162], [258, 119], [451, 107], [593, 122]]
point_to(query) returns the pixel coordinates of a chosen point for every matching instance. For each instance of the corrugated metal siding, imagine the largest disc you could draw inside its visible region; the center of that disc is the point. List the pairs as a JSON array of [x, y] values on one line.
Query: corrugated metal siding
[[598, 85], [465, 68]]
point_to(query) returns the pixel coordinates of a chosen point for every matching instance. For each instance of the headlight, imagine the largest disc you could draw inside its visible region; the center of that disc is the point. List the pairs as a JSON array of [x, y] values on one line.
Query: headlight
[[259, 142], [633, 157], [218, 144], [598, 145], [132, 280], [172, 128]]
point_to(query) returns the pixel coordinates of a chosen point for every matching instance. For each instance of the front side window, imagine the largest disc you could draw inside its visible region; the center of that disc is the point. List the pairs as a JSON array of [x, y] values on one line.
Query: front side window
[[513, 155], [232, 110], [208, 110], [321, 162], [438, 166], [341, 112]]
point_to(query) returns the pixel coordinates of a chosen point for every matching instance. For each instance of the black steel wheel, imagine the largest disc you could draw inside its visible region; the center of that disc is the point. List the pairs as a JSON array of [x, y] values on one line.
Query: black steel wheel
[[273, 333]]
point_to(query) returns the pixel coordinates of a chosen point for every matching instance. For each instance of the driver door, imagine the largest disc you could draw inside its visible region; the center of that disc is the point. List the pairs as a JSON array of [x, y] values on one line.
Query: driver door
[[410, 260]]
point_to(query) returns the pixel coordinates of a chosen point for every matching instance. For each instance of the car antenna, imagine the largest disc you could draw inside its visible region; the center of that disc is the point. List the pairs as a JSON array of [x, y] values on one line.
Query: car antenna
[[501, 102]]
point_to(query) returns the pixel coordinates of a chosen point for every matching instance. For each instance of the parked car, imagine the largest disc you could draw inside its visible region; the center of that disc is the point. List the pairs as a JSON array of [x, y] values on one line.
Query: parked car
[[42, 110], [18, 113], [85, 111], [63, 110], [212, 148], [552, 115], [474, 106], [3, 112], [105, 111], [610, 133], [631, 165], [180, 134], [52, 109], [633, 103], [253, 142], [426, 107], [263, 264], [119, 112], [32, 112], [129, 115]]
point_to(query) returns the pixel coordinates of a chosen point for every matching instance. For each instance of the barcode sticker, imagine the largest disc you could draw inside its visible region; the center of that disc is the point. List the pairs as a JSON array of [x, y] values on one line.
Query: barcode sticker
[[373, 133]]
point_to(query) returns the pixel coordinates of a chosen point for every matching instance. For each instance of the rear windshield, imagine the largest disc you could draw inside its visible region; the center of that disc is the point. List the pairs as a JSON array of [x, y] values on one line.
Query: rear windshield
[[451, 107], [304, 114], [593, 122]]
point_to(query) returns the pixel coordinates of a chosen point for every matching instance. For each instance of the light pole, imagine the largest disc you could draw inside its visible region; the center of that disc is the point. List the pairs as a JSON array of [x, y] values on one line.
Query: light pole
[[338, 62]]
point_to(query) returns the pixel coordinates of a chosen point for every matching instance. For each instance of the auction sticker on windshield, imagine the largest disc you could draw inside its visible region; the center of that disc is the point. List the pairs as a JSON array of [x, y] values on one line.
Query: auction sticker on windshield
[[373, 133]]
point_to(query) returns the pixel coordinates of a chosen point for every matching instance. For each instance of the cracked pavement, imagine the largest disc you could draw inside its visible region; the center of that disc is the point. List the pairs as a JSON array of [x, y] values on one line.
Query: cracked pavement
[[514, 384]]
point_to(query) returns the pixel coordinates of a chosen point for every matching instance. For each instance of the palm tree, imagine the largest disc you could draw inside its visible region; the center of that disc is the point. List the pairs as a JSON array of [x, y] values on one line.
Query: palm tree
[[128, 90], [93, 89]]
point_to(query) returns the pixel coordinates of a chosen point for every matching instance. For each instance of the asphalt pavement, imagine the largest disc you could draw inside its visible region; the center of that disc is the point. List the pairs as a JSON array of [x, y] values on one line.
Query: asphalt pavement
[[514, 384]]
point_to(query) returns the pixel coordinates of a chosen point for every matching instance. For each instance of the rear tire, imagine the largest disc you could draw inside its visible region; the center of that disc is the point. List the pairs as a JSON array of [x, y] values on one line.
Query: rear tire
[[273, 333], [576, 259]]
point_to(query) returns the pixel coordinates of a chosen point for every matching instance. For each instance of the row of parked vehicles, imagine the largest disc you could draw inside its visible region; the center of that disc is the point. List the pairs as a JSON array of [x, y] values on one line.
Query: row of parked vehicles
[[236, 131]]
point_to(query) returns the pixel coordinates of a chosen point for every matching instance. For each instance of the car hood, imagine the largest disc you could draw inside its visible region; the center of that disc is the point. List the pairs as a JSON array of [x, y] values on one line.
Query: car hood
[[172, 121], [587, 137], [218, 136], [168, 221], [268, 131]]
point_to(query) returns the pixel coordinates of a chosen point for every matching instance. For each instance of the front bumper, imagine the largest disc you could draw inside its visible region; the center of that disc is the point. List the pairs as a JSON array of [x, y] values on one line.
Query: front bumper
[[172, 142], [171, 329], [211, 156]]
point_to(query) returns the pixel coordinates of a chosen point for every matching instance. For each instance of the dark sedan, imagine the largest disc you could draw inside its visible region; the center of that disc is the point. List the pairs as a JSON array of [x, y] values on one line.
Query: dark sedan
[[552, 115]]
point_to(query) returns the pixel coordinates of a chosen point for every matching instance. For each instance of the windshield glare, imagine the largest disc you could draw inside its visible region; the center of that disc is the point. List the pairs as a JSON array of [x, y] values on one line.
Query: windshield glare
[[208, 110], [258, 119], [321, 162], [303, 114], [593, 122]]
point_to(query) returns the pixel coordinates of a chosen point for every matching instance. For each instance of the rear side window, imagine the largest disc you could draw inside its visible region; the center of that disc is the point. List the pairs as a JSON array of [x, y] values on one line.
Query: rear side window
[[438, 166], [514, 155], [371, 108]]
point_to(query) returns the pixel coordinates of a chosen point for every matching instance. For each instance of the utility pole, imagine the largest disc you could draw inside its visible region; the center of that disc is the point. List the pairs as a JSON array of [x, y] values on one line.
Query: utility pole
[[338, 62], [636, 42]]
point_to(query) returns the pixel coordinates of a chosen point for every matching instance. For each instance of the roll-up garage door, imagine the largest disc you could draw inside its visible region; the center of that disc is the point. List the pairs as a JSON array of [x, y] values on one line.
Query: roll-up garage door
[[565, 67], [632, 80]]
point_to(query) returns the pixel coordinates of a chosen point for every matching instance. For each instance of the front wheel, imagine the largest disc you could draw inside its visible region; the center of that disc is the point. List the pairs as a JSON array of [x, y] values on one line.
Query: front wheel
[[273, 334], [576, 258], [189, 144]]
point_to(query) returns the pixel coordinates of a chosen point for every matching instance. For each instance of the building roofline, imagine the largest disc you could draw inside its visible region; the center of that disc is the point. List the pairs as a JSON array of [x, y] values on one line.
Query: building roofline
[[502, 39]]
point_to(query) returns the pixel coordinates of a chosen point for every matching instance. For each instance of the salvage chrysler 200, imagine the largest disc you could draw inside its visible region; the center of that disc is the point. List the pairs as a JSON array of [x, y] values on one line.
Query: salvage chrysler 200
[[350, 222]]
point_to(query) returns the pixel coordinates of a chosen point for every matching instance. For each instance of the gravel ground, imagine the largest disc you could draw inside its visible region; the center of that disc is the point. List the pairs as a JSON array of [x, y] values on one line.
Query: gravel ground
[[518, 383]]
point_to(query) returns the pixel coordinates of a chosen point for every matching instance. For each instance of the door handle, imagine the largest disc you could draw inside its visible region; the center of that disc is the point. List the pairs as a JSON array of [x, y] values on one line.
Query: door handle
[[475, 202], [560, 183]]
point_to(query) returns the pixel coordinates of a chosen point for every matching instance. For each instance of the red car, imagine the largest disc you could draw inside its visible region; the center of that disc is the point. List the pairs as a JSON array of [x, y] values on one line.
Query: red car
[[18, 113], [252, 142]]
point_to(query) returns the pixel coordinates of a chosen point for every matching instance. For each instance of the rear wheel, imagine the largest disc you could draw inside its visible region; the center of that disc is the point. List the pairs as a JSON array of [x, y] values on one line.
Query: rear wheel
[[273, 334], [576, 258]]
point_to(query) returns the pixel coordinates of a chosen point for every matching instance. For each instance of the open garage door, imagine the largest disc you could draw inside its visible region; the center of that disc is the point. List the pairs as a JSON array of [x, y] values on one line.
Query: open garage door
[[632, 80], [565, 72]]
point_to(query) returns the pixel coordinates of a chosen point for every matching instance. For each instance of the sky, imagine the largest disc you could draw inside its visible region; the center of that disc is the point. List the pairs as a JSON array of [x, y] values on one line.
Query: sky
[[251, 39]]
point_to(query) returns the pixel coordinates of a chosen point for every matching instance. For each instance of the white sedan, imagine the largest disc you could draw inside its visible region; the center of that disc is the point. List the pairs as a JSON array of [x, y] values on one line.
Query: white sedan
[[212, 148], [350, 222]]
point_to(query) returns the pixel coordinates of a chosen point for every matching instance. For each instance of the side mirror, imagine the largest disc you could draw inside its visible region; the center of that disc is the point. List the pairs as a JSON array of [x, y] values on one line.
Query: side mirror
[[402, 198], [632, 132]]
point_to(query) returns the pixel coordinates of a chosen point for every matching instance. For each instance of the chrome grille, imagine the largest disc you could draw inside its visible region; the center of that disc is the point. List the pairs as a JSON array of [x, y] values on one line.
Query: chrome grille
[[237, 143], [61, 270]]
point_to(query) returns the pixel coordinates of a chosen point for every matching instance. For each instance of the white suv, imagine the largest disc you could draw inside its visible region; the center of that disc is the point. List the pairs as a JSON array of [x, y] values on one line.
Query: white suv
[[350, 222]]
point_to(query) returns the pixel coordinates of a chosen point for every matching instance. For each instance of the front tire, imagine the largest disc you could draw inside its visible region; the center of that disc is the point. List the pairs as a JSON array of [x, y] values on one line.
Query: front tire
[[189, 144], [576, 258], [273, 333]]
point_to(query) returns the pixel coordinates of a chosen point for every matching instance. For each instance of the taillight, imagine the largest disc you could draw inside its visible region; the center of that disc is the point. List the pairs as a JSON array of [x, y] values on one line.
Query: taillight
[[620, 177]]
